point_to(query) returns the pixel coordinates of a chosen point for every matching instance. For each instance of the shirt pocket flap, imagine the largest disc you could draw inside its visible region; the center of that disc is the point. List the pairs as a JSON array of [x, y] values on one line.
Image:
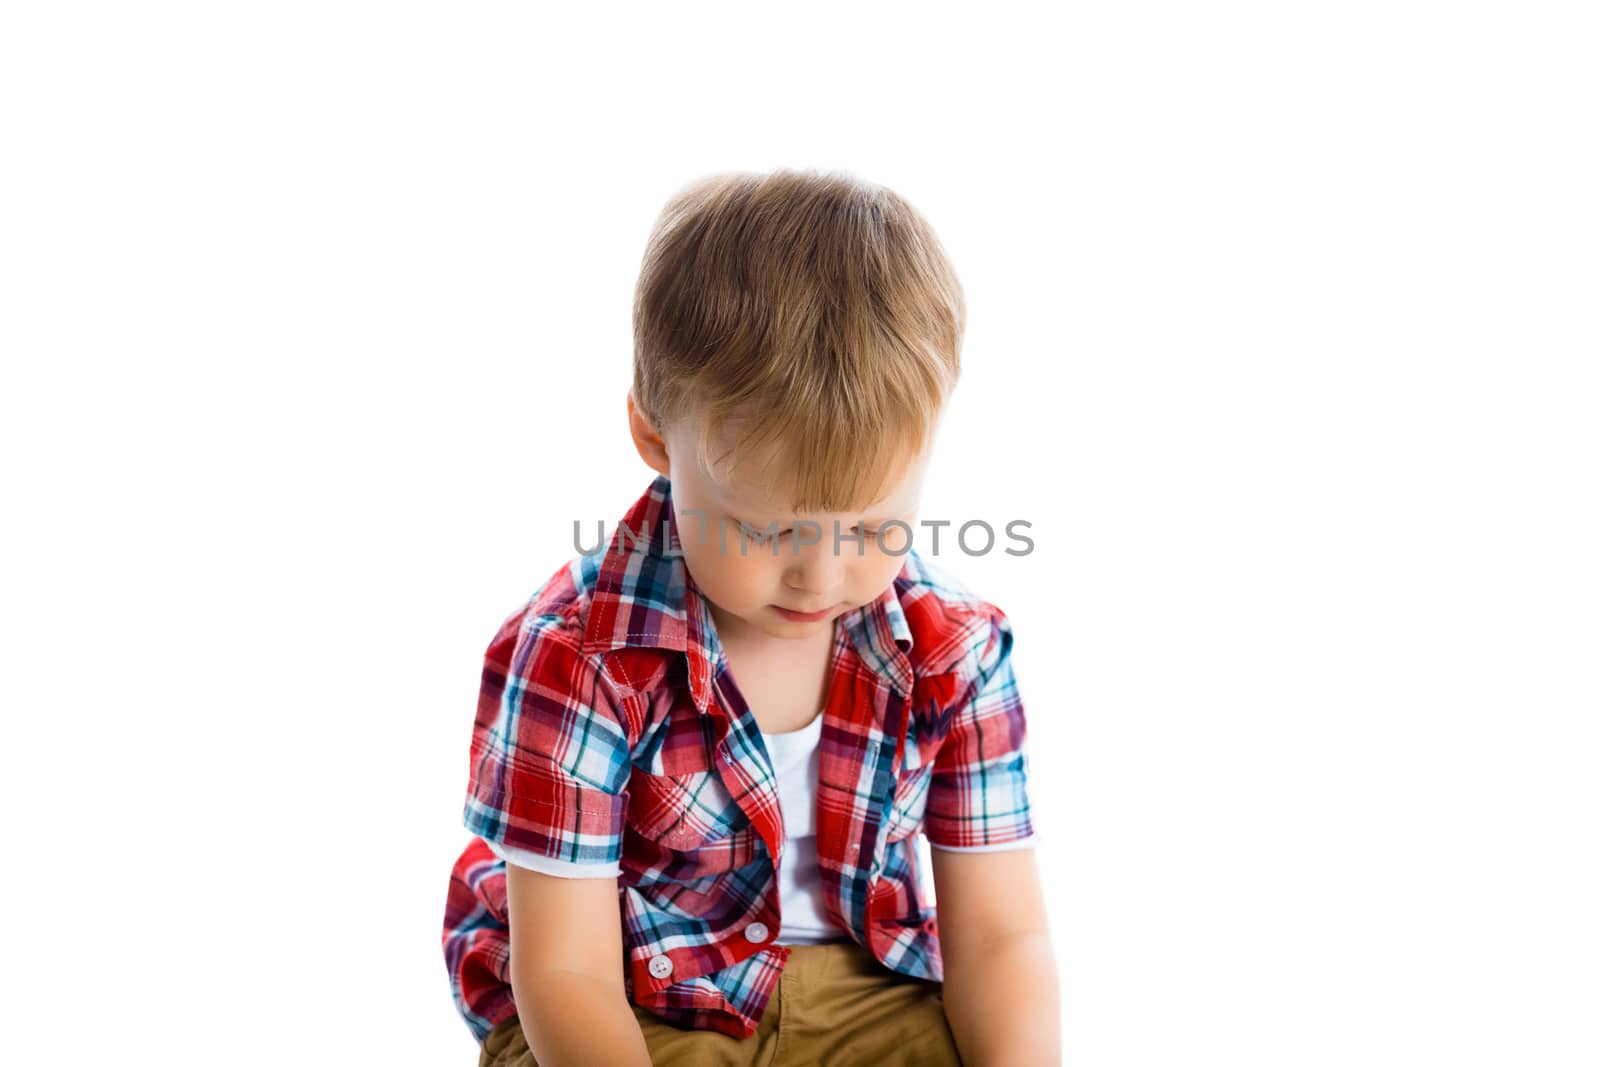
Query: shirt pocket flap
[[683, 811]]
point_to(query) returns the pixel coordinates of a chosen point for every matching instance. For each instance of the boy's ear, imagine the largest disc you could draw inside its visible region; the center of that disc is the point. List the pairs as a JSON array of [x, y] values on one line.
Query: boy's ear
[[652, 448]]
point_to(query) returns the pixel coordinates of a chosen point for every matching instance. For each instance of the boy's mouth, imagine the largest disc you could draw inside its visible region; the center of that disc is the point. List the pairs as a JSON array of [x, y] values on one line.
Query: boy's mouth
[[801, 616]]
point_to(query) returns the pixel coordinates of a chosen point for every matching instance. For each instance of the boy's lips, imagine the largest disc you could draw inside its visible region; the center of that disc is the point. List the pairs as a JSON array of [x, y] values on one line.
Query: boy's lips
[[801, 616]]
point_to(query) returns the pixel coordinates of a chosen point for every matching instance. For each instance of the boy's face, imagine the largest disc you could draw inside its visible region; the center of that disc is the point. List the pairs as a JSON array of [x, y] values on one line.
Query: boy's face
[[748, 575]]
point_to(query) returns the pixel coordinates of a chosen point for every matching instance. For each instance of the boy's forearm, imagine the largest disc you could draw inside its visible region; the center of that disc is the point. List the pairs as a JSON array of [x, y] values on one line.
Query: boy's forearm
[[1002, 1001], [577, 1019]]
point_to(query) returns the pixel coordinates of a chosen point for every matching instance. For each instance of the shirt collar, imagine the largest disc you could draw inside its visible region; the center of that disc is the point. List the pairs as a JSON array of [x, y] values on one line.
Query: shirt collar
[[645, 597]]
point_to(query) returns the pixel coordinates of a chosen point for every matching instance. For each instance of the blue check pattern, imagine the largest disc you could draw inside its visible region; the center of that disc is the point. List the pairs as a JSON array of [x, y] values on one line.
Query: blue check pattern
[[611, 740]]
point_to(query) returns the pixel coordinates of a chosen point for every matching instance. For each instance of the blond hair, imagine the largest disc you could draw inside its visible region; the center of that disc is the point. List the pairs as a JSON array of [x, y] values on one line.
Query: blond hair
[[810, 312]]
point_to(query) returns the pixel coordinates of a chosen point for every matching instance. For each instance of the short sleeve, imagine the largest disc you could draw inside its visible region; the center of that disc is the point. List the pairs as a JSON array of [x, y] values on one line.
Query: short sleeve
[[978, 795], [550, 753]]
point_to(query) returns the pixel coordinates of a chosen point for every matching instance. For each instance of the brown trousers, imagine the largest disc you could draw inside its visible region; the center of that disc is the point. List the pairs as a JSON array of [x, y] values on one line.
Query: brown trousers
[[835, 1005]]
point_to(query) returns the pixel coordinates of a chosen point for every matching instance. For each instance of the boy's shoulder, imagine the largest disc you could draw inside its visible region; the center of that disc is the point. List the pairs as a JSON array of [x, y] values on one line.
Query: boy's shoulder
[[629, 577], [951, 624], [562, 606], [559, 606]]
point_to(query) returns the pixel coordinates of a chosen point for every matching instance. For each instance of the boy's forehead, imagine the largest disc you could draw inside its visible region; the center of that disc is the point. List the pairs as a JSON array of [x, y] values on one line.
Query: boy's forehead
[[759, 489], [759, 499]]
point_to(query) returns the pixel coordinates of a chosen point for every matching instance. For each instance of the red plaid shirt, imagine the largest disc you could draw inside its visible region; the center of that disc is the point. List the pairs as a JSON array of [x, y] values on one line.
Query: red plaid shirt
[[611, 739]]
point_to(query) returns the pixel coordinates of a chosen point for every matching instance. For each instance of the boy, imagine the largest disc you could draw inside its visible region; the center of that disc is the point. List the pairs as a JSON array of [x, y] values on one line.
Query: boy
[[701, 756]]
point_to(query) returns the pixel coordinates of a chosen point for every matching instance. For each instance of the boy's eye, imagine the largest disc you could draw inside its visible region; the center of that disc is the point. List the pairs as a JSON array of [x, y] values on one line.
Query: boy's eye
[[755, 533]]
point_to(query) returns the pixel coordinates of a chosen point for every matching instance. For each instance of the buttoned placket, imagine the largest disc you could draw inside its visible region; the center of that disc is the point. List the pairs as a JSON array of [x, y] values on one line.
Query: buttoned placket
[[874, 639], [756, 932]]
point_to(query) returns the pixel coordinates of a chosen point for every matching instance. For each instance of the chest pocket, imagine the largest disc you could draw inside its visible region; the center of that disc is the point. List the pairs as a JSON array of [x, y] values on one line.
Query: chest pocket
[[693, 822]]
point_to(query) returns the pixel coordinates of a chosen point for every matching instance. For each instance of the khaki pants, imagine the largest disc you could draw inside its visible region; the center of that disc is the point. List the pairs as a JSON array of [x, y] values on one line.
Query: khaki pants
[[835, 1005]]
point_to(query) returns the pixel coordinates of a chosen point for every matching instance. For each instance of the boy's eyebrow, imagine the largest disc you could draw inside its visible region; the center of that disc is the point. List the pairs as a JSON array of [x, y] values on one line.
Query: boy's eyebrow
[[739, 514], [737, 510], [862, 516]]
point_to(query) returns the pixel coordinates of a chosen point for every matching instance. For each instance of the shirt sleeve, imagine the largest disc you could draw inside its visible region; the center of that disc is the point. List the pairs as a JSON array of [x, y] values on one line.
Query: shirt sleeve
[[978, 795], [550, 754], [1004, 846], [533, 861]]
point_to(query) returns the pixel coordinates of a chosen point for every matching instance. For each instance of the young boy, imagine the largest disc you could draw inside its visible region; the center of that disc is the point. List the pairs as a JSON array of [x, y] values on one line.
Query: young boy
[[702, 756]]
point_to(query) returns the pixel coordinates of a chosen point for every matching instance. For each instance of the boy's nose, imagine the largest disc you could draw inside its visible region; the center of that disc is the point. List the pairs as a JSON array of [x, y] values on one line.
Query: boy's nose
[[817, 574]]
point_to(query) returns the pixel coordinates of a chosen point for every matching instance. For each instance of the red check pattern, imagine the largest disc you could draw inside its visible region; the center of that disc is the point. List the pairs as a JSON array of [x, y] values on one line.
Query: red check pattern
[[610, 734]]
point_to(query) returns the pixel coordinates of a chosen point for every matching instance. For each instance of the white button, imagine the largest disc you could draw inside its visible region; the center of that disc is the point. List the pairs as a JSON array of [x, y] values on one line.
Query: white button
[[660, 965], [756, 932]]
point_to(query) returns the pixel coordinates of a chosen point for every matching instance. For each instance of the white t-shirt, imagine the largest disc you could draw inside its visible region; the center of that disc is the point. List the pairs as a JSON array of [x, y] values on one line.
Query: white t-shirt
[[797, 760]]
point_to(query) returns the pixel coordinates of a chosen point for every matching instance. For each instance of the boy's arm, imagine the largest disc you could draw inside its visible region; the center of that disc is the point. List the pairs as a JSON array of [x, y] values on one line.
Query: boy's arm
[[1000, 993], [1000, 986], [566, 970], [551, 764]]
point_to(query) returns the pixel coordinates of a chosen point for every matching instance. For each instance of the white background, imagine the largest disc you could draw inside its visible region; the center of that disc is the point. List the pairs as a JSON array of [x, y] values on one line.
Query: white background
[[1283, 334]]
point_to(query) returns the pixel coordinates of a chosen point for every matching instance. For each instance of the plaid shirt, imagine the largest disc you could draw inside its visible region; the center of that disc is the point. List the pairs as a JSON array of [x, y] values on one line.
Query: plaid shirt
[[610, 738]]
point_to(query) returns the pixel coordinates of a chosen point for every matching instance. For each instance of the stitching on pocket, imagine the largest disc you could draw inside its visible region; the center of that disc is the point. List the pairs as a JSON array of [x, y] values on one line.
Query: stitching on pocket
[[684, 811]]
